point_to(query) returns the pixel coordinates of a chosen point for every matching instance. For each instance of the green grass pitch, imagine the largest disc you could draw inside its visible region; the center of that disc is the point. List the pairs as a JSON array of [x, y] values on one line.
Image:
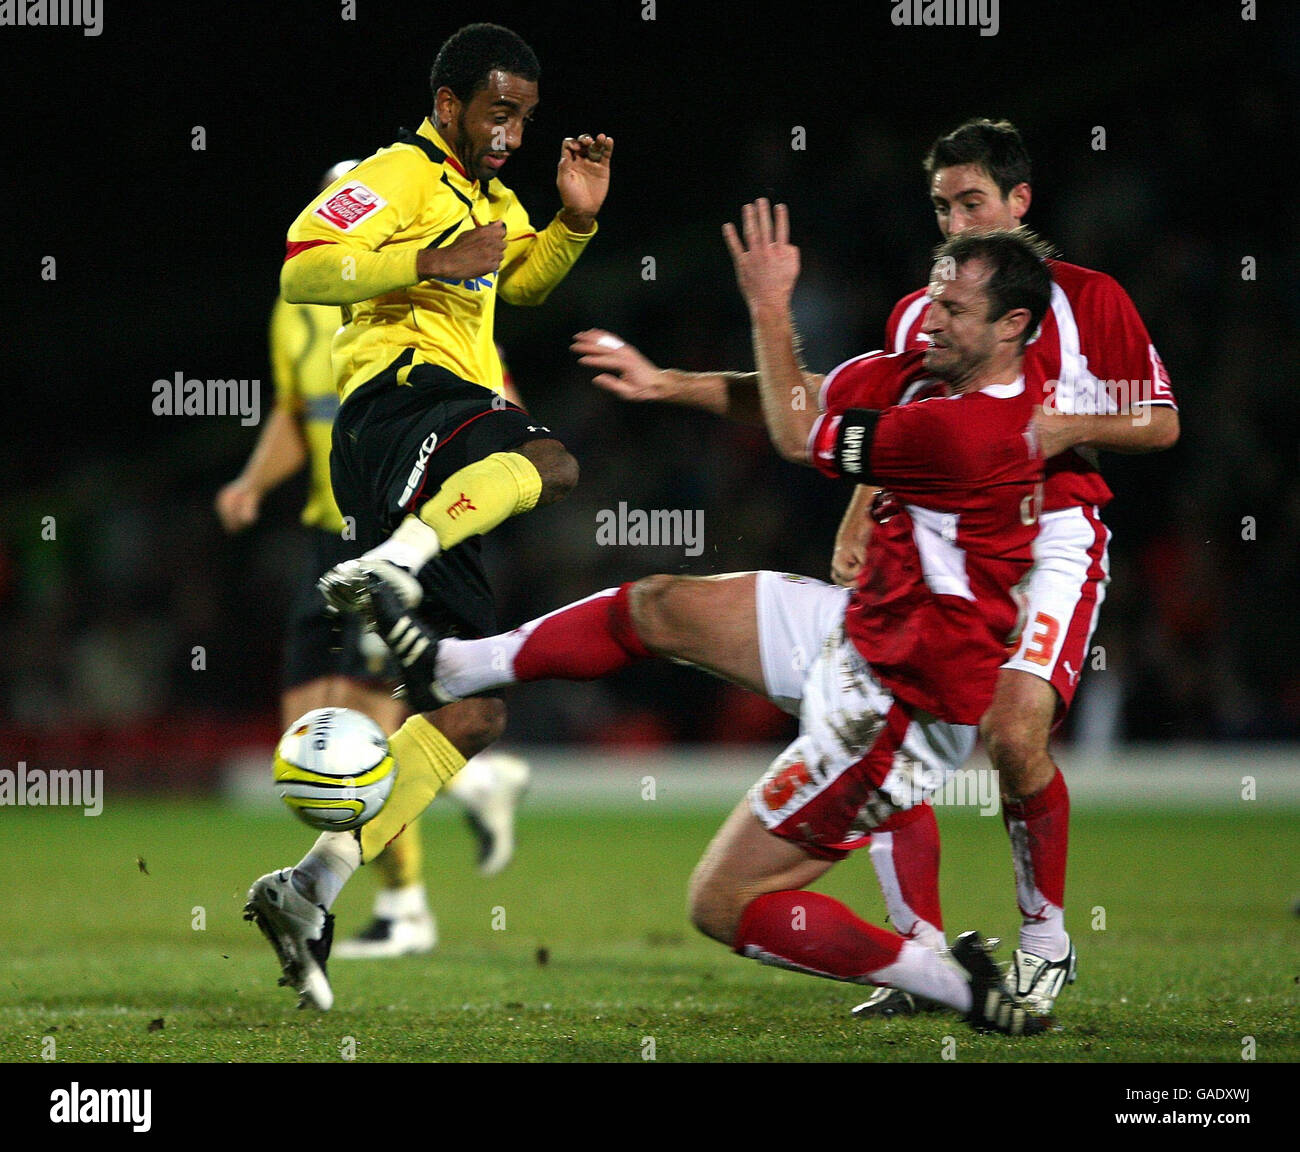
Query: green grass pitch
[[123, 942]]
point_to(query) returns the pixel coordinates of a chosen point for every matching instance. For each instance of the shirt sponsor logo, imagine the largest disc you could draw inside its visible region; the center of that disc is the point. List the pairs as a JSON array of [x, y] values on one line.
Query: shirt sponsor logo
[[478, 284], [349, 206]]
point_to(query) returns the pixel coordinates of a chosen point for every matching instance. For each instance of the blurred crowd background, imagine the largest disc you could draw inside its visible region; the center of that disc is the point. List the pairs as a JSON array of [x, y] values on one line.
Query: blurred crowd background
[[136, 632]]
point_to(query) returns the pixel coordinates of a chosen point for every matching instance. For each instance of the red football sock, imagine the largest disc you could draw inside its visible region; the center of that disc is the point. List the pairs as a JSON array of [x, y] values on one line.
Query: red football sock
[[813, 933], [905, 854], [1039, 827], [584, 641]]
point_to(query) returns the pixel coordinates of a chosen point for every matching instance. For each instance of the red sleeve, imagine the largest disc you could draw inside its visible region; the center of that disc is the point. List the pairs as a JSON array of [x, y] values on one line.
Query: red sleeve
[[871, 382], [1118, 347], [908, 445], [868, 381], [866, 384]]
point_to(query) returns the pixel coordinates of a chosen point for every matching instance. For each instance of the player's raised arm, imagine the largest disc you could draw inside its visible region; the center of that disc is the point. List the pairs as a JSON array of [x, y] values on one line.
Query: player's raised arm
[[583, 182], [1128, 433], [767, 266]]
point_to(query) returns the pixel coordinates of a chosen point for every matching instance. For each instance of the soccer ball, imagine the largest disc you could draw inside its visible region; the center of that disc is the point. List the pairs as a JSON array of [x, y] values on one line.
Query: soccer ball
[[334, 769]]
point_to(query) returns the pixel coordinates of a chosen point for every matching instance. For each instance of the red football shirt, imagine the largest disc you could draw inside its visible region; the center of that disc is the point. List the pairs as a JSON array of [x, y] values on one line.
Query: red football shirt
[[1092, 356], [934, 607]]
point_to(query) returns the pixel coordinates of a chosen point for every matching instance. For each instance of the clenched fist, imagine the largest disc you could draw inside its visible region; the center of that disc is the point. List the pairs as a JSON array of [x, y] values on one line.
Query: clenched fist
[[473, 253]]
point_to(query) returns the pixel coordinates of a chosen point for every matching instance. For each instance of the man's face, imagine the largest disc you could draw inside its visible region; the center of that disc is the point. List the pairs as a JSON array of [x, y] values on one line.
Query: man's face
[[965, 196], [962, 339], [485, 130]]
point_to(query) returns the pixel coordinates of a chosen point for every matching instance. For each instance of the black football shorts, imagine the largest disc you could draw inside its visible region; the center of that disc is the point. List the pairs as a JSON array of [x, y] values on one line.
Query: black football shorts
[[393, 447]]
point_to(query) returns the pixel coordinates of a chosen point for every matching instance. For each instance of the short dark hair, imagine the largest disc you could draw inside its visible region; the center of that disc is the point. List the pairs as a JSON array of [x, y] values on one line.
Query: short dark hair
[[464, 61], [1020, 278], [994, 145]]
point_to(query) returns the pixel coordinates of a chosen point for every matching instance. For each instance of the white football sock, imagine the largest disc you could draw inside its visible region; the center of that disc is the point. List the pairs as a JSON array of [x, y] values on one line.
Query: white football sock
[[321, 874], [920, 971], [1042, 927], [411, 547], [466, 667], [1045, 934]]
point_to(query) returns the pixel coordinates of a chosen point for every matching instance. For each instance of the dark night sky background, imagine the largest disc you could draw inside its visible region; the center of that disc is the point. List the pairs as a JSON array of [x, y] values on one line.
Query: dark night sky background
[[167, 260]]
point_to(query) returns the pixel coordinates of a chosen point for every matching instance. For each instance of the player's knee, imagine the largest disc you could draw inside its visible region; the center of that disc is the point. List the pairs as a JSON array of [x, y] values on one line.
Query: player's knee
[[652, 611], [560, 478], [714, 907], [1007, 740], [472, 725], [1015, 745], [556, 466]]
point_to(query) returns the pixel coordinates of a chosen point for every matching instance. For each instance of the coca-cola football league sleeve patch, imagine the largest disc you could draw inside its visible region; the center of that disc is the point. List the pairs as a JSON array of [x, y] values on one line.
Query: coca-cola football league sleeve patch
[[350, 205]]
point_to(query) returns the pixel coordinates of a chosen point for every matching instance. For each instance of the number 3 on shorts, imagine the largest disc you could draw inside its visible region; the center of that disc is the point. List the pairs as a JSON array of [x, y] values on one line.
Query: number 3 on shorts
[[1043, 642]]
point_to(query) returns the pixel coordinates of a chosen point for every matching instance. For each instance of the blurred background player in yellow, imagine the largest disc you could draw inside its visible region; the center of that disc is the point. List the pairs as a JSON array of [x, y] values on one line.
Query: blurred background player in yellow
[[330, 661]]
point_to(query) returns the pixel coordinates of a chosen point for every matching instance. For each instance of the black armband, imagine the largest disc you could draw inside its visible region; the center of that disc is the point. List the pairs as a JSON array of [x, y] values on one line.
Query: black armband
[[853, 440]]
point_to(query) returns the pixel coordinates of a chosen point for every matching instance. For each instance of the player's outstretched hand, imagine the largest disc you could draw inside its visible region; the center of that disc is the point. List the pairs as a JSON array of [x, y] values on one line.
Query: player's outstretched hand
[[767, 264], [625, 372], [472, 254], [237, 506], [583, 175]]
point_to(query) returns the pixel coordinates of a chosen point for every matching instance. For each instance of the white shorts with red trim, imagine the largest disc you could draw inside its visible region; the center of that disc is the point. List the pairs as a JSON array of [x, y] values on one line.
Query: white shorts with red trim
[[795, 614], [1065, 590], [861, 756]]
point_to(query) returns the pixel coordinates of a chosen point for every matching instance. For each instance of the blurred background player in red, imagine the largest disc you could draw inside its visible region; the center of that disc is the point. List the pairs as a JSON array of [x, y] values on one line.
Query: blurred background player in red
[[330, 660], [1102, 386]]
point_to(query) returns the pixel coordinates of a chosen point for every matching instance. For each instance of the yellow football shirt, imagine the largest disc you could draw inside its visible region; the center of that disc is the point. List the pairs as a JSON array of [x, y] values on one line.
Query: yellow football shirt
[[356, 244]]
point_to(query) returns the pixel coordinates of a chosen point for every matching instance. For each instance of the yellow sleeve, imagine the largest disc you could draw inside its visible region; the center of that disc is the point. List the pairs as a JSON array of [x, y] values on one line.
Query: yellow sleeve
[[330, 274], [337, 247], [287, 394], [545, 261]]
